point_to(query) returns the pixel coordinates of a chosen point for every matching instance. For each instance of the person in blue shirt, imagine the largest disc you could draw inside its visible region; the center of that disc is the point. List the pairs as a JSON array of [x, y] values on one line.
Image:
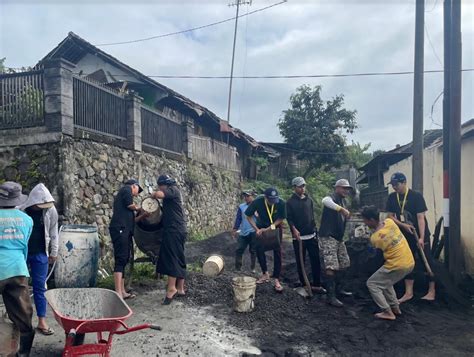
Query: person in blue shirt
[[15, 231], [246, 233]]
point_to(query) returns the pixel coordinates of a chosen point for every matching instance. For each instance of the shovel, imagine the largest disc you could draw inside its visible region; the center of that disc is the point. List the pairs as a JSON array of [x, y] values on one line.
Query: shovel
[[306, 293], [422, 254]]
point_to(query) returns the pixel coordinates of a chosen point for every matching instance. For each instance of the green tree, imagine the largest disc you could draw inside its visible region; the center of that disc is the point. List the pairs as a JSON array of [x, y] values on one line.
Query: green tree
[[2, 65], [357, 154], [317, 128]]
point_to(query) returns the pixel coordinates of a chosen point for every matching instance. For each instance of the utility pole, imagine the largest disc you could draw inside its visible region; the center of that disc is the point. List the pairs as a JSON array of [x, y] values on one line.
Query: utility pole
[[446, 121], [456, 259], [237, 3], [417, 156]]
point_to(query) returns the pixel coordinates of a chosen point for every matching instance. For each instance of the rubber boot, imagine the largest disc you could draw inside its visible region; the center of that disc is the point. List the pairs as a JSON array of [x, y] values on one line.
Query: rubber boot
[[253, 259], [340, 286], [26, 341], [332, 299], [238, 262]]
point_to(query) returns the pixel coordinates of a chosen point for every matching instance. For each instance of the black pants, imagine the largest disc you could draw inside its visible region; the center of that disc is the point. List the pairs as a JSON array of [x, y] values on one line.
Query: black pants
[[122, 242], [419, 265], [262, 260], [243, 242], [310, 246]]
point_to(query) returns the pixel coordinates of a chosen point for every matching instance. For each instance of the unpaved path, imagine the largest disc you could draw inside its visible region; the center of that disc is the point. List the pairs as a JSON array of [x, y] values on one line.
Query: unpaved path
[[203, 323]]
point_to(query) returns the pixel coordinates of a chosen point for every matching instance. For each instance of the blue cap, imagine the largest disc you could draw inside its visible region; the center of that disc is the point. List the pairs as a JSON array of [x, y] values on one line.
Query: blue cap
[[397, 177], [272, 195]]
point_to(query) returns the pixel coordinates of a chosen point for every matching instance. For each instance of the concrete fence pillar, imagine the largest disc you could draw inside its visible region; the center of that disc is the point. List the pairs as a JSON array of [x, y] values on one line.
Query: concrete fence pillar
[[134, 121], [58, 96]]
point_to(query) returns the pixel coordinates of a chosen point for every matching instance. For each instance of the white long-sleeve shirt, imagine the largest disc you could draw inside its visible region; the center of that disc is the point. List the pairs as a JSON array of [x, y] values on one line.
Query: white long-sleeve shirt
[[329, 203]]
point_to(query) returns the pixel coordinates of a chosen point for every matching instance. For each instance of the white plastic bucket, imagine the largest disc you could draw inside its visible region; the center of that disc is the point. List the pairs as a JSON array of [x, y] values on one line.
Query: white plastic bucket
[[78, 257], [213, 265], [244, 288]]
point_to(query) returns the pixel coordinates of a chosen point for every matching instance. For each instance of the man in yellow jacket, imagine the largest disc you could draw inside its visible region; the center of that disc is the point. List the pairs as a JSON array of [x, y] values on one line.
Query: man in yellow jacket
[[398, 263]]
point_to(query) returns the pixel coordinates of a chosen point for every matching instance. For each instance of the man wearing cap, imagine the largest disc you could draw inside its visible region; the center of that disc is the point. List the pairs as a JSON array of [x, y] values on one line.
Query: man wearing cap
[[271, 211], [331, 246], [408, 209], [121, 231], [300, 217], [42, 247], [172, 261], [15, 230], [246, 236]]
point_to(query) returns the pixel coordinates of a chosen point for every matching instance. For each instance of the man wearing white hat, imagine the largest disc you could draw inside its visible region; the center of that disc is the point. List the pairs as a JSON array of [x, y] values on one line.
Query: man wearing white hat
[[42, 247], [331, 246], [15, 230]]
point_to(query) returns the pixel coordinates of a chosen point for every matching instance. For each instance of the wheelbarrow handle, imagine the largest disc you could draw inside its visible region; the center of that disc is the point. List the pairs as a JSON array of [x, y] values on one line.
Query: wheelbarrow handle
[[136, 328]]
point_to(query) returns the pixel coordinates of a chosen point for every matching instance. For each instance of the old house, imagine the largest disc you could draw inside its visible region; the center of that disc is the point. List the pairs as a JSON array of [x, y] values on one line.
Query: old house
[[211, 140]]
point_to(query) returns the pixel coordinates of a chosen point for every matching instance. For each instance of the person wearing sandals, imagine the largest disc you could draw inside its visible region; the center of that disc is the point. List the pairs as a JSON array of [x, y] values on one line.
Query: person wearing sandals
[[15, 231], [398, 263], [171, 260], [300, 217], [121, 232], [246, 235], [42, 247], [271, 212]]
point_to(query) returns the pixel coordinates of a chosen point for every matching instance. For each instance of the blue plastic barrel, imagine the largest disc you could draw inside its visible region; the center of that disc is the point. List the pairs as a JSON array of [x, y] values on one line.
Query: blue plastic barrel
[[78, 257]]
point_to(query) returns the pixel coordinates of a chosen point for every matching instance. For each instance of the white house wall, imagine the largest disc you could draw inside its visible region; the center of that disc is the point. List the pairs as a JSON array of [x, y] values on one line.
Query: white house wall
[[433, 190]]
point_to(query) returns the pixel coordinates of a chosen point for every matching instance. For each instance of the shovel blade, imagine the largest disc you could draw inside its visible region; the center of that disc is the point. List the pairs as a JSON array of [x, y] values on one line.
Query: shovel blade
[[302, 291]]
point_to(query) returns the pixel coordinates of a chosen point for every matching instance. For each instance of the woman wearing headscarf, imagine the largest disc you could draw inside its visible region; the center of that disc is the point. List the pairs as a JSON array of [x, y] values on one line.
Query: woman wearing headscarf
[[171, 260], [42, 247]]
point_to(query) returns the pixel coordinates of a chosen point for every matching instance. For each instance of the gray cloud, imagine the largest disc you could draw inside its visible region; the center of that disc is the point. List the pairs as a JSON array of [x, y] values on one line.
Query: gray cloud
[[299, 37]]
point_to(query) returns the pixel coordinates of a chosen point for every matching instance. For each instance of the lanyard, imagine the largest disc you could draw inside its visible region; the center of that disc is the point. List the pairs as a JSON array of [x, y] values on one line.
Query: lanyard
[[270, 213], [402, 206]]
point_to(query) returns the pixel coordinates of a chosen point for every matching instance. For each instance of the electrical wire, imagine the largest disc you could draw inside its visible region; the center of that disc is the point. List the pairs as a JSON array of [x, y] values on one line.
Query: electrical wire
[[431, 45], [432, 109], [188, 30], [366, 74], [428, 11]]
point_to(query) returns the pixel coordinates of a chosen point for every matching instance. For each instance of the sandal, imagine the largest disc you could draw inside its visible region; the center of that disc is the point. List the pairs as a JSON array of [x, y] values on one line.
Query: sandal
[[45, 331], [262, 280], [130, 297], [168, 300], [278, 288]]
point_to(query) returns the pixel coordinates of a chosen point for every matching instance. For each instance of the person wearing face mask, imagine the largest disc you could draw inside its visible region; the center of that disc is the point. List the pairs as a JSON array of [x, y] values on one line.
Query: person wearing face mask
[[121, 232], [335, 259], [408, 209]]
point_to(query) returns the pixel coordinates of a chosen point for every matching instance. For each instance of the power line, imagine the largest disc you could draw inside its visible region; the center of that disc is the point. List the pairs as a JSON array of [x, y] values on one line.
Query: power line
[[431, 10], [367, 74], [191, 29], [431, 45]]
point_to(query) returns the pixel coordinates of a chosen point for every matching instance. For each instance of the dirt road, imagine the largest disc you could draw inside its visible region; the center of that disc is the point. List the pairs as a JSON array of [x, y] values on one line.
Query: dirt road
[[203, 323]]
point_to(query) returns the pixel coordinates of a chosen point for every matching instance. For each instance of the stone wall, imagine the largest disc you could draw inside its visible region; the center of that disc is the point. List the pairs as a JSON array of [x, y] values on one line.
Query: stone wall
[[85, 175], [31, 164], [94, 172]]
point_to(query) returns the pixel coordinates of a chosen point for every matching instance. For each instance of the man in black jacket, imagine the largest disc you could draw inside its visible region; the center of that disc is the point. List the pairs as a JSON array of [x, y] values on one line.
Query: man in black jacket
[[331, 233], [300, 217]]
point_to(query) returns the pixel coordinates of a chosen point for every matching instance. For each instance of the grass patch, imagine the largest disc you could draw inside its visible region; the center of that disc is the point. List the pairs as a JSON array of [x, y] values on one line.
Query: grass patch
[[143, 274]]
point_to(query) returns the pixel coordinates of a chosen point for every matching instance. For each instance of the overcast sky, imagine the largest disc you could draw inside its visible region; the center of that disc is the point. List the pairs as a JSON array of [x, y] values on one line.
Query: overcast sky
[[295, 38]]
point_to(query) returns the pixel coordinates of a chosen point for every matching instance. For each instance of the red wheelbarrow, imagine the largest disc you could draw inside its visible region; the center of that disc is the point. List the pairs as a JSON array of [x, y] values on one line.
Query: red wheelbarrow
[[93, 310]]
